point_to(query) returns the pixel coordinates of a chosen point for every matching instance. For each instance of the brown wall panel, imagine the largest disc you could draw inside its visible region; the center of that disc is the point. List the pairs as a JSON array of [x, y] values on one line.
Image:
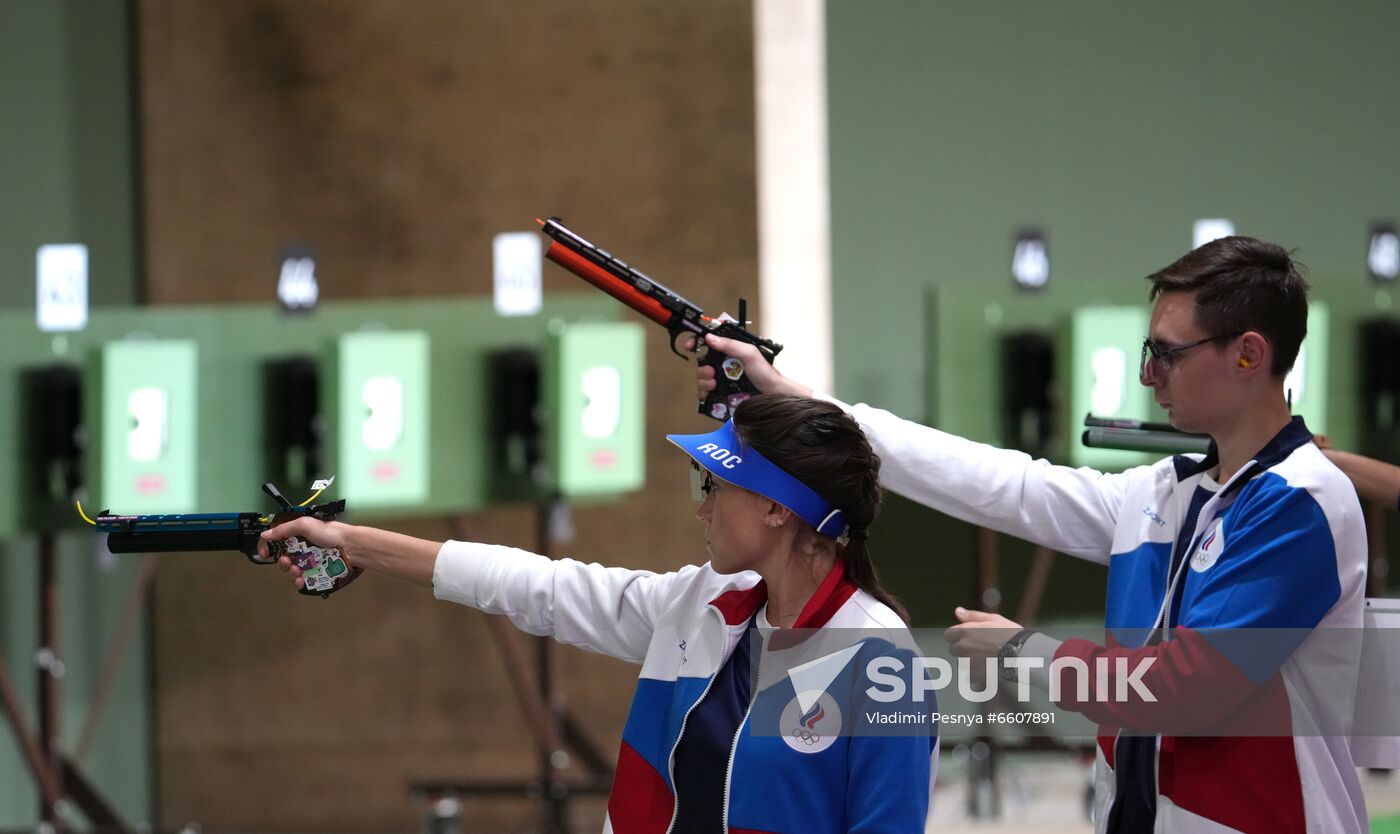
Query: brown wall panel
[[397, 138]]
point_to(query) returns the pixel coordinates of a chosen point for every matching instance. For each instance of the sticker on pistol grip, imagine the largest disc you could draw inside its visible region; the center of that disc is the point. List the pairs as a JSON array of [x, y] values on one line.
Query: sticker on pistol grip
[[733, 368], [321, 567]]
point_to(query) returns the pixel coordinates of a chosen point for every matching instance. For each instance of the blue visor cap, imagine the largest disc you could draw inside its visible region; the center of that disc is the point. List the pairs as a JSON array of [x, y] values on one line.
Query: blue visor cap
[[724, 455]]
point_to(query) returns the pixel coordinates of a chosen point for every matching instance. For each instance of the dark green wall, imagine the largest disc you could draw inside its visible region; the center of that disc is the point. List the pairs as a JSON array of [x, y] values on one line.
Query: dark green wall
[[67, 175], [67, 158], [1113, 127]]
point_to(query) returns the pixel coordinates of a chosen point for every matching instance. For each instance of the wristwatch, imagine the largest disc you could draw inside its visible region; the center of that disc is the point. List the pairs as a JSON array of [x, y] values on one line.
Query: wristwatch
[[1011, 649]]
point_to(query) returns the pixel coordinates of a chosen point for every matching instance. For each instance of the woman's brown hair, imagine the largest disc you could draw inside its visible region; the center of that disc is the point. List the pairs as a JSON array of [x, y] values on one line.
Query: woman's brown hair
[[823, 447]]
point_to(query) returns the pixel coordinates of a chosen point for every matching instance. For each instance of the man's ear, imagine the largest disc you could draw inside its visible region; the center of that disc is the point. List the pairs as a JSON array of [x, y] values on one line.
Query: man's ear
[[1255, 353]]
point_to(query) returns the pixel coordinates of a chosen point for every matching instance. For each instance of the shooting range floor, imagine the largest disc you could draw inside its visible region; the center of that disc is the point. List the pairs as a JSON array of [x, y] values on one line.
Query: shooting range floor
[[1045, 795]]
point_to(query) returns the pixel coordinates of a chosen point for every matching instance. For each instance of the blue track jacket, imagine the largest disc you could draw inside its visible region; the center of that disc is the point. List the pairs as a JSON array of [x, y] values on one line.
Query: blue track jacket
[[681, 627], [1280, 547]]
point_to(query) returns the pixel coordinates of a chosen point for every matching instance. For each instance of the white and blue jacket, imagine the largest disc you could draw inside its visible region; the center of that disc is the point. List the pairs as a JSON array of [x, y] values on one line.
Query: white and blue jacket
[[682, 627], [1281, 545]]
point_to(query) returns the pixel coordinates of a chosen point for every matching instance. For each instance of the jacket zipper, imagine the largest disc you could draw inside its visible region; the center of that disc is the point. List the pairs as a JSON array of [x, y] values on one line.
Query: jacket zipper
[[671, 760], [1157, 782], [734, 748], [1164, 613], [1163, 618]]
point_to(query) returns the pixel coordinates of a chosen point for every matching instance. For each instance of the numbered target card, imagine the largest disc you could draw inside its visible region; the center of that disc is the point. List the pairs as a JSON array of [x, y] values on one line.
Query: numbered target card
[[380, 424], [1104, 354], [594, 395], [147, 431]]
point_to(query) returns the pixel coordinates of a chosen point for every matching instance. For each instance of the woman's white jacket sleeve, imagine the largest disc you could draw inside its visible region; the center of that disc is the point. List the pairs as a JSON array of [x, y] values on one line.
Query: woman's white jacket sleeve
[[611, 611]]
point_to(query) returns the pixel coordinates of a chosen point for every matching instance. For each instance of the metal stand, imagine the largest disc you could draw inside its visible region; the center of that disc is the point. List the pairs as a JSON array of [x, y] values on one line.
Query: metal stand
[[984, 792], [983, 796], [56, 774], [558, 739], [1378, 563]]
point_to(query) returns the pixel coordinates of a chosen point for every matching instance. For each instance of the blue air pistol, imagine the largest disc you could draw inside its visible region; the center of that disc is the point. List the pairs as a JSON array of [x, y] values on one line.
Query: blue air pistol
[[324, 569]]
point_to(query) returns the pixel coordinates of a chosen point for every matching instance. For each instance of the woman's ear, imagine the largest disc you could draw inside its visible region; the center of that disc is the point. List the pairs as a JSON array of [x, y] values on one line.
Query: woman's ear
[[777, 515]]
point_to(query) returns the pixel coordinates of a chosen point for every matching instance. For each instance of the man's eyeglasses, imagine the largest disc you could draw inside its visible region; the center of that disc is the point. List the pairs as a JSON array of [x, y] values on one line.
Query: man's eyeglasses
[[1160, 358]]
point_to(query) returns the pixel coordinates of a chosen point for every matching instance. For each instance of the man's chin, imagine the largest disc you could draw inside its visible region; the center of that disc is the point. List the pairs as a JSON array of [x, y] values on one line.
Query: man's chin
[[1182, 424]]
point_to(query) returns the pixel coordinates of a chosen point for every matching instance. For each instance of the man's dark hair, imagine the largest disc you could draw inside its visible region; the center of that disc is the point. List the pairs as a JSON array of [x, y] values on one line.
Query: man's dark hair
[[1242, 284]]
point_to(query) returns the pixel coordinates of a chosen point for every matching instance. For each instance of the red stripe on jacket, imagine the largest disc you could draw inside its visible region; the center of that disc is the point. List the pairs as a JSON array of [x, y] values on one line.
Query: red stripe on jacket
[[640, 801]]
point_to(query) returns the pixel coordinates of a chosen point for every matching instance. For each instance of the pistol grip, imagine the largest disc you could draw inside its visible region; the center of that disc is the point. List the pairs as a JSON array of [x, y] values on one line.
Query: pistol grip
[[324, 570], [732, 385]]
